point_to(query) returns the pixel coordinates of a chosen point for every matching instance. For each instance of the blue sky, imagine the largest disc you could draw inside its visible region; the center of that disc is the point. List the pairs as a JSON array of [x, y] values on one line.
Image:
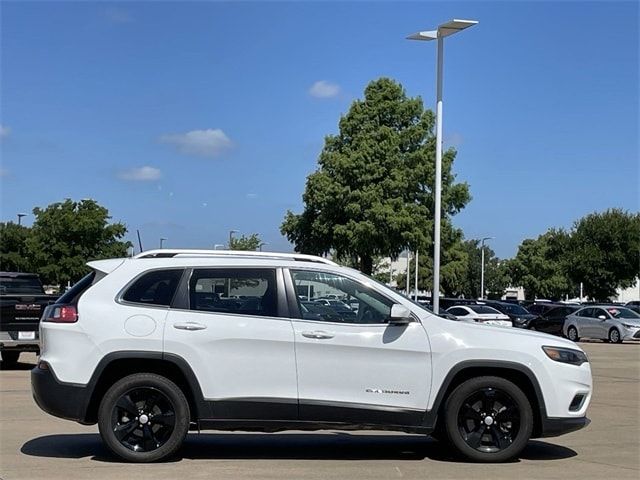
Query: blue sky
[[189, 119]]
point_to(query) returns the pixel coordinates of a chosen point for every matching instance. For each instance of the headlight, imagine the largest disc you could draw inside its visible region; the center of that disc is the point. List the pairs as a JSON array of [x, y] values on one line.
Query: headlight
[[626, 325], [566, 355]]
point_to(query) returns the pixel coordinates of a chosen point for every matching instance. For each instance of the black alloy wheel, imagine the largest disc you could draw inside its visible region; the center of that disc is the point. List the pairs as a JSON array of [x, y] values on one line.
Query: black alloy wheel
[[489, 420], [143, 419]]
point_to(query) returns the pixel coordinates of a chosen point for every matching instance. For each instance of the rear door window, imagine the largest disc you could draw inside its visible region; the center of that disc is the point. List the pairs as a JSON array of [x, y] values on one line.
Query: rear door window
[[154, 288], [241, 291]]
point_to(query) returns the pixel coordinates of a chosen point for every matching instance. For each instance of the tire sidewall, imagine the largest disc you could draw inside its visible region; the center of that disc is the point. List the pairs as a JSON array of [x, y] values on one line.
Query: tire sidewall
[[168, 388], [619, 340], [574, 329], [462, 392]]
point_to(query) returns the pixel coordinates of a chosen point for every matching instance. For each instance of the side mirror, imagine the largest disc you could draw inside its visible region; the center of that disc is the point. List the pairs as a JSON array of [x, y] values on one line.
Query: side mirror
[[400, 315], [602, 317]]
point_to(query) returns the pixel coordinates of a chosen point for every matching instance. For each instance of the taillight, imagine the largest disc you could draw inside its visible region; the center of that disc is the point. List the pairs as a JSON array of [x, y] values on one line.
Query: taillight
[[62, 314]]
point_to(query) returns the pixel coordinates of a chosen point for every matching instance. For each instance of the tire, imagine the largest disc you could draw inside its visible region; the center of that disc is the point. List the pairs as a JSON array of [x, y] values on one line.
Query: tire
[[147, 398], [10, 357], [614, 336], [572, 334], [480, 433]]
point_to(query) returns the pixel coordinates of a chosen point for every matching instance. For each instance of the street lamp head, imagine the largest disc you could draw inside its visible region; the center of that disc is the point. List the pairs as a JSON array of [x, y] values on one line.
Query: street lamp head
[[444, 30]]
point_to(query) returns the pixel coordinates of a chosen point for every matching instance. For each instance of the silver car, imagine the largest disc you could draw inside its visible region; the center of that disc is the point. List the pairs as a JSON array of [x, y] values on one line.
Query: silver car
[[606, 322]]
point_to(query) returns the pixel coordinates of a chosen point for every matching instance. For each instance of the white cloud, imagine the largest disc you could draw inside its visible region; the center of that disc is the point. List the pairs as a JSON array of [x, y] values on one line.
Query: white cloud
[[4, 131], [252, 196], [140, 174], [324, 89], [204, 143], [118, 15]]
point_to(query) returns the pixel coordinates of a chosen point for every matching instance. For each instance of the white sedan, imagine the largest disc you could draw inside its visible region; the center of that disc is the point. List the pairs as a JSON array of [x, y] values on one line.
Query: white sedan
[[480, 314]]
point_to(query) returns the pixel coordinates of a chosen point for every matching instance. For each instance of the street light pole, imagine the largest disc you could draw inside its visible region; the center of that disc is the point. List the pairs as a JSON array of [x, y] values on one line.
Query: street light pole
[[215, 247], [415, 290], [231, 232], [162, 240], [443, 30], [20, 215], [262, 245], [482, 267]]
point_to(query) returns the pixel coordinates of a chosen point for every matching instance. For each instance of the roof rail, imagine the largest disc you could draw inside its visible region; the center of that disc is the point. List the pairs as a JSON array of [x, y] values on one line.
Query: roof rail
[[171, 253]]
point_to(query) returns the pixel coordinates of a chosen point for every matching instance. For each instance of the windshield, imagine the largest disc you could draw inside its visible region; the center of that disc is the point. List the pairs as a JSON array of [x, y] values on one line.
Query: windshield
[[482, 309], [621, 312], [21, 285]]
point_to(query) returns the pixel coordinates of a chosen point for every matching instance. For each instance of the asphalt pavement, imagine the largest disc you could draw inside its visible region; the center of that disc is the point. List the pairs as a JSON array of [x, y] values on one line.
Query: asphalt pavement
[[34, 445]]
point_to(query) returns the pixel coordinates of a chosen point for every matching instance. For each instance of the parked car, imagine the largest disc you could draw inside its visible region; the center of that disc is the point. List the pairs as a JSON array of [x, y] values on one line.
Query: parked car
[[633, 305], [480, 314], [520, 316], [539, 308], [552, 320], [144, 348], [605, 322], [22, 300], [445, 302], [337, 306]]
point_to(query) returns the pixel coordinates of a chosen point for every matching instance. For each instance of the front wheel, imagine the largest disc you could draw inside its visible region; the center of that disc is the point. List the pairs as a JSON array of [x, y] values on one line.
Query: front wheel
[[488, 419], [143, 418], [614, 336], [572, 334]]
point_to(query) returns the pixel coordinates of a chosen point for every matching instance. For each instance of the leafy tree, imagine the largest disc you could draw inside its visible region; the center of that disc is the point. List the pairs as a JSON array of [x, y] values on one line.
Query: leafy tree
[[496, 271], [539, 266], [13, 247], [604, 252], [68, 234], [251, 242], [372, 192]]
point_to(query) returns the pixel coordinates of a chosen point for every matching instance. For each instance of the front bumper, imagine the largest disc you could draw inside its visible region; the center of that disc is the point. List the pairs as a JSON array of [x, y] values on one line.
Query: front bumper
[[59, 399], [631, 334], [554, 427]]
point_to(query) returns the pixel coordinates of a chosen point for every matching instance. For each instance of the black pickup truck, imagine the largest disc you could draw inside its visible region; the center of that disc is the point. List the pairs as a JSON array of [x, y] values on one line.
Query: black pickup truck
[[22, 301]]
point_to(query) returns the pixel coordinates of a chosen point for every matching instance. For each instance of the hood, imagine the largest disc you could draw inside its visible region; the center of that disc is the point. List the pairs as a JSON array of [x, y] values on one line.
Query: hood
[[630, 321], [537, 337]]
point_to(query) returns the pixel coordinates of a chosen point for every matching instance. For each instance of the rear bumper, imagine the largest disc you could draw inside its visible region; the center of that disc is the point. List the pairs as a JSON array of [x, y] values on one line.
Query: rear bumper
[[59, 399], [11, 340], [554, 427]]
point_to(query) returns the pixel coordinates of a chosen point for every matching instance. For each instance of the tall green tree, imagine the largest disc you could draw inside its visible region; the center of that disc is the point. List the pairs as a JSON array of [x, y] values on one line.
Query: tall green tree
[[604, 252], [496, 271], [372, 192], [250, 242], [66, 235], [540, 266], [14, 256]]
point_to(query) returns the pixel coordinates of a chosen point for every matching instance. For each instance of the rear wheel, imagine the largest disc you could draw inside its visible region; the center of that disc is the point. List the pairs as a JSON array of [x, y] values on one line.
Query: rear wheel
[[143, 418], [572, 334], [10, 357], [614, 336], [488, 419]]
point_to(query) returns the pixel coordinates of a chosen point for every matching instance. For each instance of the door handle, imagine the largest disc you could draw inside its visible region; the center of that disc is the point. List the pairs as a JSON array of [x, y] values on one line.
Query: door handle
[[189, 326], [318, 334]]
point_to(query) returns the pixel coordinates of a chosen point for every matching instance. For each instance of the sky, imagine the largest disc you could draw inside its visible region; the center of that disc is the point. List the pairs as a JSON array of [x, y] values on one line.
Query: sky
[[187, 120]]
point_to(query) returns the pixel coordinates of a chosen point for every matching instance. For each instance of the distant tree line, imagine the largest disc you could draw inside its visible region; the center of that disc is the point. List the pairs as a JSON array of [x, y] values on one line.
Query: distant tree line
[[63, 238]]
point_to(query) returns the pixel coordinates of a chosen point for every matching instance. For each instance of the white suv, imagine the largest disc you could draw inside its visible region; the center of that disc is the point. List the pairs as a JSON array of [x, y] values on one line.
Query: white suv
[[171, 340]]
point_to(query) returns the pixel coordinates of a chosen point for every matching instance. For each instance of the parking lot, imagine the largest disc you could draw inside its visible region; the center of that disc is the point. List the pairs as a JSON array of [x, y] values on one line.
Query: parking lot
[[35, 445]]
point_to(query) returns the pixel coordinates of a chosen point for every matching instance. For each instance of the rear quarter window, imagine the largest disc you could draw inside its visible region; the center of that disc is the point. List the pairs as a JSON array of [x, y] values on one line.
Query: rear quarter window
[[154, 288]]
